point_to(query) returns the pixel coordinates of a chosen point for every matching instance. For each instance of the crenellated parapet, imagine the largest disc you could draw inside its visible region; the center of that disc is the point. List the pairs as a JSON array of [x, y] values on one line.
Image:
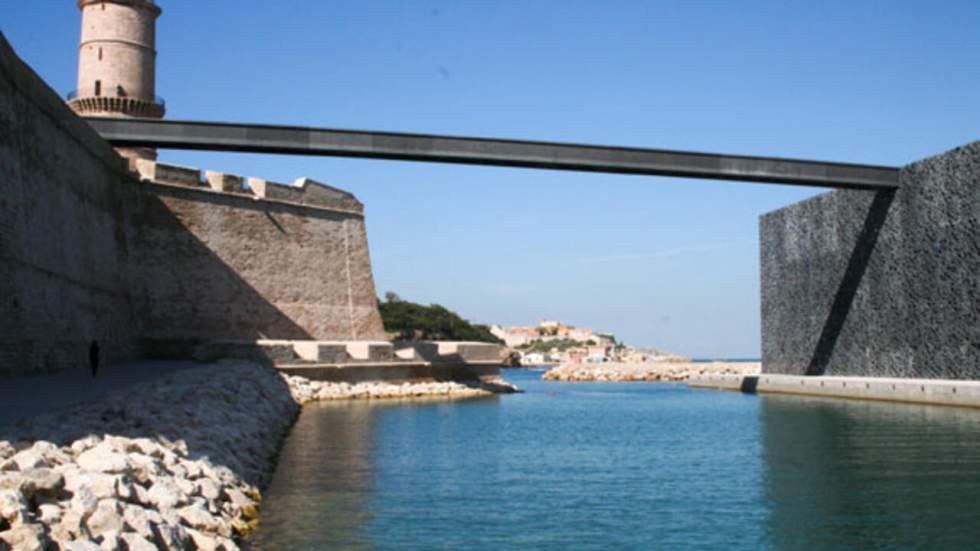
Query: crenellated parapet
[[304, 191]]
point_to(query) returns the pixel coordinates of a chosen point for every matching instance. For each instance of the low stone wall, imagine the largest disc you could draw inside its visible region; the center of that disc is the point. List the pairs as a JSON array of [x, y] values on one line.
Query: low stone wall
[[656, 371]]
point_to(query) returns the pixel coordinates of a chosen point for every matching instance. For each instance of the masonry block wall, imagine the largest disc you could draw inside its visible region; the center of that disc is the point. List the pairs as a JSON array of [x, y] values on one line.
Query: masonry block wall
[[883, 284], [90, 251], [65, 239], [226, 265]]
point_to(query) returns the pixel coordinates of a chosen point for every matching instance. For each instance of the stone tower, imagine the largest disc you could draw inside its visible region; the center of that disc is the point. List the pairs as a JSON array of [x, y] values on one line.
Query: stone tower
[[117, 64]]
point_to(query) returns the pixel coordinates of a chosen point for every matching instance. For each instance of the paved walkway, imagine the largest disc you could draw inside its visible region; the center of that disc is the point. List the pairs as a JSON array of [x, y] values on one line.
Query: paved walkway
[[29, 396]]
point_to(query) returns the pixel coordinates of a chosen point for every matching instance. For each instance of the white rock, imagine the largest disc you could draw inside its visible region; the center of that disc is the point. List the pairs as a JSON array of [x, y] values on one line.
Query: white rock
[[51, 453], [165, 494], [125, 489], [111, 541], [29, 459], [83, 502], [144, 467], [171, 536], [13, 507], [7, 450], [72, 526], [199, 519], [148, 447], [11, 480], [238, 499], [107, 517], [208, 489], [135, 542], [227, 544], [102, 485], [204, 542], [178, 470], [103, 458], [83, 444], [186, 486], [194, 469], [81, 545], [41, 482], [120, 443], [26, 537], [137, 520], [49, 514]]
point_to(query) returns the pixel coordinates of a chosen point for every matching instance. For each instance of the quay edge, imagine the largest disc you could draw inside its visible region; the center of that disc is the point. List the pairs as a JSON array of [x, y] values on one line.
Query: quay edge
[[945, 392]]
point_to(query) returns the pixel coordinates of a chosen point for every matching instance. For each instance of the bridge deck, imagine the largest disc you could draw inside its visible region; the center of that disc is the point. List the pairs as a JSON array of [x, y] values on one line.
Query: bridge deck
[[173, 134]]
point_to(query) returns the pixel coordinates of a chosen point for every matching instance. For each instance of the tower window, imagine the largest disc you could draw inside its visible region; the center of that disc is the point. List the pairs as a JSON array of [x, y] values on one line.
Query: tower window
[[100, 54], [98, 88]]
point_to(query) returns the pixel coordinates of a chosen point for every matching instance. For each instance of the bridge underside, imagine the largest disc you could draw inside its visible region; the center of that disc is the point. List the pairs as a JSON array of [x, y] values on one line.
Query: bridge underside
[[170, 134]]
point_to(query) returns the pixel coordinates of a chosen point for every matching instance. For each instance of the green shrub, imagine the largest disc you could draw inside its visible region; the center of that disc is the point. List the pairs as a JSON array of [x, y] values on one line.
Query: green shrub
[[429, 323]]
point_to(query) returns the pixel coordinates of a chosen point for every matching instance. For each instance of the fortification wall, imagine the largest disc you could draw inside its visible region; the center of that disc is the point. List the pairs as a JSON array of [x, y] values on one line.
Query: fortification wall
[[881, 284], [237, 264], [88, 251], [65, 232]]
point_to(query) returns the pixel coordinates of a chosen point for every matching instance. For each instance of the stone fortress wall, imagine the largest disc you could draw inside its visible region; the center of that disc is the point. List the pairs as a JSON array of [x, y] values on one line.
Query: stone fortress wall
[[878, 284], [157, 262], [218, 259], [66, 237]]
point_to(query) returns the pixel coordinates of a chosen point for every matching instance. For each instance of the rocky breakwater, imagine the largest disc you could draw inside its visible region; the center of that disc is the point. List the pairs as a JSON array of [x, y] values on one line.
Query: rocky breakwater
[[173, 465], [650, 371], [304, 390]]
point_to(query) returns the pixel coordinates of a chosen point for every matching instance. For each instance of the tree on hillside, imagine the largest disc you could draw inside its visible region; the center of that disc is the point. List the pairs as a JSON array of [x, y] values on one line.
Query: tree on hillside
[[413, 321]]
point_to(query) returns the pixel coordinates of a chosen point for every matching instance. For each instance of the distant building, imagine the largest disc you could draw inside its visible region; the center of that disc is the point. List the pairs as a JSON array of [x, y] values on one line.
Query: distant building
[[633, 357], [597, 353], [547, 331], [534, 358]]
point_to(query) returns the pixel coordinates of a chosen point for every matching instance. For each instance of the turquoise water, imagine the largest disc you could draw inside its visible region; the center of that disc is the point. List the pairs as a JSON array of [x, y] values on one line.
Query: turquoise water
[[626, 466]]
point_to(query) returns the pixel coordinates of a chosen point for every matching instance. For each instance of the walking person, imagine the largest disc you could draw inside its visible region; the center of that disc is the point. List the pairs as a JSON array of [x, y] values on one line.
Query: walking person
[[93, 357]]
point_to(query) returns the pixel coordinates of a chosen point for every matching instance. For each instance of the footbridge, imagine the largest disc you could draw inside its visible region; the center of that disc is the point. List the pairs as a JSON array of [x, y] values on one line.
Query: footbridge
[[213, 136]]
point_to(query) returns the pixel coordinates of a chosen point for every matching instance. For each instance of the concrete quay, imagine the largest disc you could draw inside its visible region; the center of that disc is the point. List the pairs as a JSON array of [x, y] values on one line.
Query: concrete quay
[[945, 392], [363, 361]]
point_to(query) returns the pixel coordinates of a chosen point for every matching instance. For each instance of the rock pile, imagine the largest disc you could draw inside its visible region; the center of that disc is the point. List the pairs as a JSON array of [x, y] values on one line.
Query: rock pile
[[173, 466], [652, 371], [305, 390]]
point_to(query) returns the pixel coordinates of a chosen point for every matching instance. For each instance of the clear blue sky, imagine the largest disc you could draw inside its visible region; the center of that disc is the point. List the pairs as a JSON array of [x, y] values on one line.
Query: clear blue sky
[[663, 262]]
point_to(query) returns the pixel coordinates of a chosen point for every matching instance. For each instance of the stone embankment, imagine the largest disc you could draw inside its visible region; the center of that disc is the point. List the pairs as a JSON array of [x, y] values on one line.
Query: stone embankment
[[651, 371], [173, 465], [305, 390]]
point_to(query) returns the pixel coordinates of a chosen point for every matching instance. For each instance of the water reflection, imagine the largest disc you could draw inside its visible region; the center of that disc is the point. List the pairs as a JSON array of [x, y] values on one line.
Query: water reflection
[[865, 475], [309, 502], [630, 466]]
